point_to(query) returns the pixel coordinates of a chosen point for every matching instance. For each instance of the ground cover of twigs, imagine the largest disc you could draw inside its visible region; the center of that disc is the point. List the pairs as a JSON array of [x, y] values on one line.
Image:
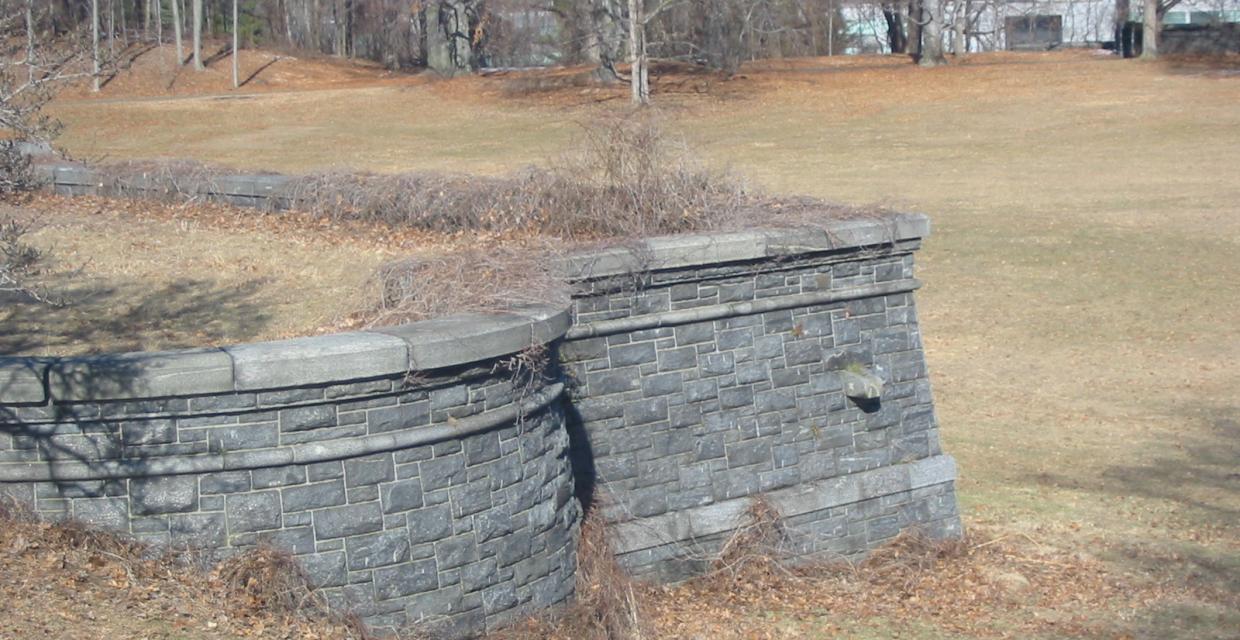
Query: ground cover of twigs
[[71, 582]]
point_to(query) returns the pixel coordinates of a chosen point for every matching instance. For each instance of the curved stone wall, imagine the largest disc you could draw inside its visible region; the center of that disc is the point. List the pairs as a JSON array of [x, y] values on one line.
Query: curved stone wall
[[418, 477], [423, 479]]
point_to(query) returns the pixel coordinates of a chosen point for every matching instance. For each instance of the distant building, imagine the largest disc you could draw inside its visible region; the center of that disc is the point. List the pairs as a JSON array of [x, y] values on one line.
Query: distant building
[[1029, 24]]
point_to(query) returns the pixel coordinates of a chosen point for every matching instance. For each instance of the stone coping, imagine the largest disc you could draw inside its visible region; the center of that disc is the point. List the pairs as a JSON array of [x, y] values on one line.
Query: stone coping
[[431, 344], [698, 249]]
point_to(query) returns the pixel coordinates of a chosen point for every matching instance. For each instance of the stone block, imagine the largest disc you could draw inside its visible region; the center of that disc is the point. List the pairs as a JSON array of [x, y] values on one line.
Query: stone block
[[377, 549], [350, 520], [317, 360], [406, 579], [168, 494], [253, 512], [313, 496]]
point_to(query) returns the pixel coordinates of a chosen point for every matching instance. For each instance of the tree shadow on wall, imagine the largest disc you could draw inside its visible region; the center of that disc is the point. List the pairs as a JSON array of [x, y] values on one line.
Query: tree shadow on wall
[[128, 316]]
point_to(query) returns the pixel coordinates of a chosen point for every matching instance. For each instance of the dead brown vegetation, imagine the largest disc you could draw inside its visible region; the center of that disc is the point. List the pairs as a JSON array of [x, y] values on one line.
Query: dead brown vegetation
[[628, 178], [68, 568], [609, 604], [478, 279]]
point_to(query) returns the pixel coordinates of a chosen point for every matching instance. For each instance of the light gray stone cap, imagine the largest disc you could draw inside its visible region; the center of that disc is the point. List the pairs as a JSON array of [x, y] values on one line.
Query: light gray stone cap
[[462, 339], [21, 380], [431, 344], [690, 250], [152, 374]]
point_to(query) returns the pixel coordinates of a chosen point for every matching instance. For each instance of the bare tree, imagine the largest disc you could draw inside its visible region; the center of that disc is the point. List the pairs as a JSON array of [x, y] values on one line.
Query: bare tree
[[932, 34], [639, 73], [176, 30], [451, 36], [197, 28], [235, 48], [94, 41]]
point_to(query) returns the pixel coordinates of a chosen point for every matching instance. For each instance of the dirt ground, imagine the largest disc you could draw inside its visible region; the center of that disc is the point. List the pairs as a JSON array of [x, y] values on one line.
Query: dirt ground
[[1081, 307]]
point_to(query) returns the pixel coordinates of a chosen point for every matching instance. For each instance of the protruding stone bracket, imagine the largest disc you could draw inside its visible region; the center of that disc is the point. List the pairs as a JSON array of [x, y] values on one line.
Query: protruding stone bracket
[[861, 385]]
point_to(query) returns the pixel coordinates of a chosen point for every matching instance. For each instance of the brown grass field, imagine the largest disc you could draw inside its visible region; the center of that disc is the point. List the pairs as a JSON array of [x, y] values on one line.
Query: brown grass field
[[1081, 307]]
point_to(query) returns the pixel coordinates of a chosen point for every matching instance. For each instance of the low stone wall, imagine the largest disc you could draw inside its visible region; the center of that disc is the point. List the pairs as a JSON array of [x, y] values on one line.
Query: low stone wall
[[260, 191], [417, 473], [707, 371], [425, 479]]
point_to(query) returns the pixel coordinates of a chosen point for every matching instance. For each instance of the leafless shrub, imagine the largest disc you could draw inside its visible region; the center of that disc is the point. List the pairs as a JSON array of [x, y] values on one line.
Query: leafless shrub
[[431, 201], [760, 541], [16, 174], [22, 264], [629, 179], [164, 180], [482, 279], [632, 178], [269, 579], [266, 577], [609, 602]]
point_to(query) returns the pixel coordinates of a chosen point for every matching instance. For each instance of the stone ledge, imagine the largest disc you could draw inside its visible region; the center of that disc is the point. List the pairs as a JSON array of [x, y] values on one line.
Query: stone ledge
[[21, 381], [720, 517], [690, 250], [462, 339], [153, 374], [316, 360]]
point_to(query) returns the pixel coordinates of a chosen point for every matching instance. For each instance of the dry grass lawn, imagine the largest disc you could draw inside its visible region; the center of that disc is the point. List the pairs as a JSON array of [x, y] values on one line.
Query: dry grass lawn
[[1081, 308]]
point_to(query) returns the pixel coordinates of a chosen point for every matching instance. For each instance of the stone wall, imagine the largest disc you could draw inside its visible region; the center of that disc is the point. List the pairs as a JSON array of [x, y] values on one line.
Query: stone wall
[[417, 476], [423, 482], [708, 371]]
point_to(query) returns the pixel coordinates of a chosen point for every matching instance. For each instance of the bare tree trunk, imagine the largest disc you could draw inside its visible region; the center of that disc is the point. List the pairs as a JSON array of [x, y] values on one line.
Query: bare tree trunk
[[959, 45], [1121, 16], [639, 78], [1149, 30], [913, 43], [895, 28], [30, 40], [449, 37], [932, 34], [197, 28], [112, 29], [159, 22], [176, 30], [236, 49], [94, 41], [124, 26]]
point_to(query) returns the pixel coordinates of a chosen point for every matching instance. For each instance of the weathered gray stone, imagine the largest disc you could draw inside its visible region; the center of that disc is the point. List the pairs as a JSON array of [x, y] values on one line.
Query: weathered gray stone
[[861, 385], [377, 550], [141, 375], [406, 579], [317, 360], [351, 520], [253, 512], [313, 496], [170, 494], [21, 381]]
